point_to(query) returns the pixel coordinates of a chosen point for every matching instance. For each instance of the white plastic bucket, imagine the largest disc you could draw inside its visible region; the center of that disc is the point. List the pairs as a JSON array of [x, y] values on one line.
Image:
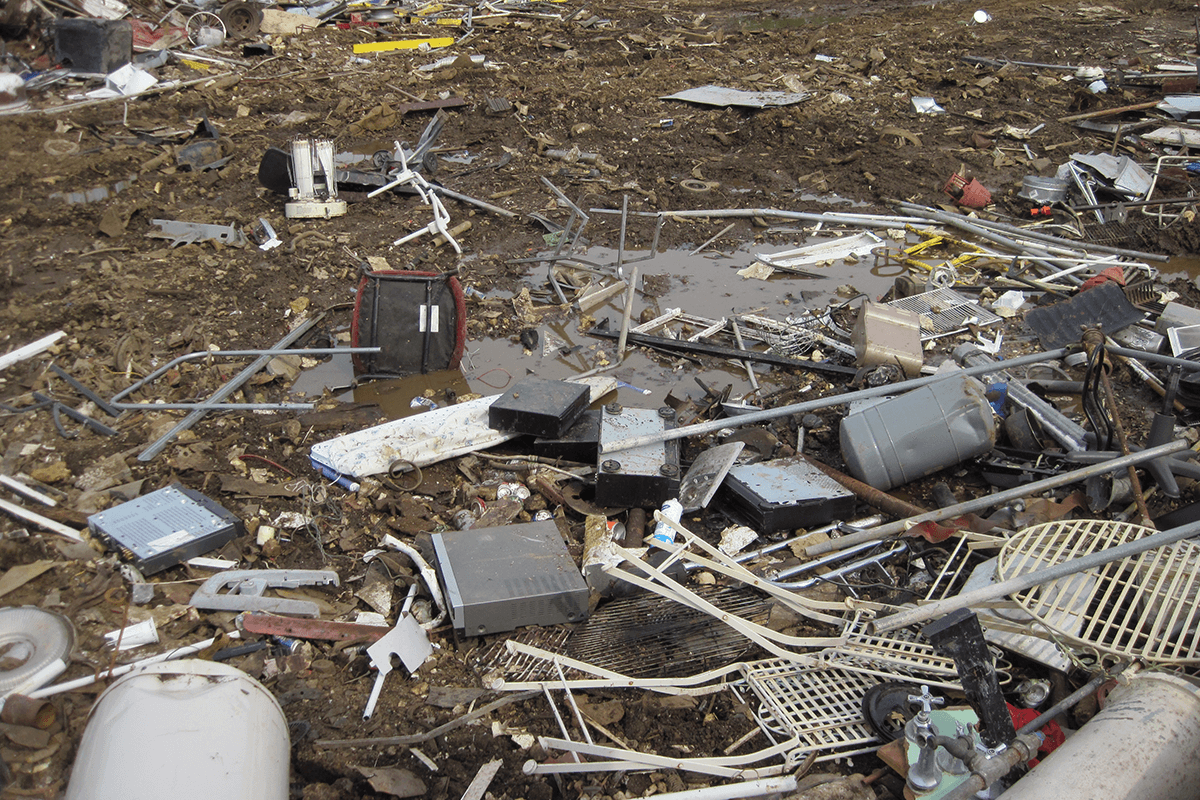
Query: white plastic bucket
[[184, 730]]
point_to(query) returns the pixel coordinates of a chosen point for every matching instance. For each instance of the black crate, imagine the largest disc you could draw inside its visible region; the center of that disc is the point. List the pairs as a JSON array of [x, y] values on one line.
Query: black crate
[[581, 443], [539, 407], [93, 45]]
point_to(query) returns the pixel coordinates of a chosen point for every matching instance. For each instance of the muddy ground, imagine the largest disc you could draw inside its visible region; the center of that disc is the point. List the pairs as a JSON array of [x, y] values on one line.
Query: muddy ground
[[129, 303]]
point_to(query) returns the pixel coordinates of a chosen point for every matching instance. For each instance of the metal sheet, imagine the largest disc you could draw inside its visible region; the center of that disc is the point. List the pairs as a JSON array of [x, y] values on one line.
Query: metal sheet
[[1105, 305], [722, 96], [704, 477]]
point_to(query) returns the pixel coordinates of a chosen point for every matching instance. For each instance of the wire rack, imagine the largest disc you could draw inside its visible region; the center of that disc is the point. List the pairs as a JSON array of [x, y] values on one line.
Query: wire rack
[[1143, 607], [893, 656], [820, 707], [945, 311]]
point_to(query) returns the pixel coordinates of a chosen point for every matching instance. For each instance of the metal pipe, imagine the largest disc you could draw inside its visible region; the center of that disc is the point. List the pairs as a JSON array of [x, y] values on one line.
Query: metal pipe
[[1166, 361], [442, 190], [1031, 252], [737, 337], [769, 414], [629, 294], [1067, 702], [1047, 238], [750, 555], [846, 569], [985, 771], [869, 494], [809, 566], [229, 388], [939, 608], [999, 498]]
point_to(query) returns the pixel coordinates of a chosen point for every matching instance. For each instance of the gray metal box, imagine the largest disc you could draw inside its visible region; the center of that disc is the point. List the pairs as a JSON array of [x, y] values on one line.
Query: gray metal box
[[642, 477], [166, 527], [499, 579]]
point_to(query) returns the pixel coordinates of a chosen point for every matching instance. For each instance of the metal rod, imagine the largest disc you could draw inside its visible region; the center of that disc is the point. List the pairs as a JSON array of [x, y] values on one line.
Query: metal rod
[[737, 337], [1062, 705], [867, 493], [715, 236], [995, 591], [817, 563], [442, 190], [1031, 252], [1166, 361], [857, 220], [769, 414], [1045, 237], [999, 498], [229, 388], [846, 569]]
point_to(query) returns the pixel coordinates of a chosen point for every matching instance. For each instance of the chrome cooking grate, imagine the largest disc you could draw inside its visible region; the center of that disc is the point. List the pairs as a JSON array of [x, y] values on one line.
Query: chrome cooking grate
[[945, 311], [893, 655], [520, 667], [1142, 607]]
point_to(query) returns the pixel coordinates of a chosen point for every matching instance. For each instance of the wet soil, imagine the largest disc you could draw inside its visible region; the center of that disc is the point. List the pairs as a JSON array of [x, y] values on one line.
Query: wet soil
[[129, 303]]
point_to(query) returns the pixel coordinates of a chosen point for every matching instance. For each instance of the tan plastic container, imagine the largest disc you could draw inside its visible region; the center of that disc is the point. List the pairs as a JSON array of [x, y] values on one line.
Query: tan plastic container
[[886, 335]]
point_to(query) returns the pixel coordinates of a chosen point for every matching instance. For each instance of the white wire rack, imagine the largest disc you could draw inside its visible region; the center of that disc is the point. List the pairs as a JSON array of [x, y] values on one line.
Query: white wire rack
[[818, 707], [896, 656], [1142, 607]]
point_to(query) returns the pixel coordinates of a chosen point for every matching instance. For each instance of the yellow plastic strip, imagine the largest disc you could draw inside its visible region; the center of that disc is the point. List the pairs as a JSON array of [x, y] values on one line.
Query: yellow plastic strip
[[402, 44]]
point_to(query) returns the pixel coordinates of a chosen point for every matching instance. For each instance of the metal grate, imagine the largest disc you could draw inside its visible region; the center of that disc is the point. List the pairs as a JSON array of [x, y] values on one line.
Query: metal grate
[[1142, 607], [944, 311], [889, 656], [1118, 233], [519, 667], [820, 706], [649, 636]]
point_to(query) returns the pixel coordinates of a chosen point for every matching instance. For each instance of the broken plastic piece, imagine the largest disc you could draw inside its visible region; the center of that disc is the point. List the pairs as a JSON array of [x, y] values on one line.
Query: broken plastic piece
[[407, 641], [181, 233], [247, 586]]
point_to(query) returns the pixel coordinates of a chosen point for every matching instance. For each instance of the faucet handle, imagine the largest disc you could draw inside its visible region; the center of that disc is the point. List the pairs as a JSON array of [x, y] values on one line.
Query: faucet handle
[[927, 700]]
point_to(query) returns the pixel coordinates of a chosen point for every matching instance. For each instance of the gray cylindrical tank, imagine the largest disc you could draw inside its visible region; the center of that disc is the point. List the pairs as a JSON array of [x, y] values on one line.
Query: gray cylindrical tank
[[1144, 745], [184, 730], [906, 437]]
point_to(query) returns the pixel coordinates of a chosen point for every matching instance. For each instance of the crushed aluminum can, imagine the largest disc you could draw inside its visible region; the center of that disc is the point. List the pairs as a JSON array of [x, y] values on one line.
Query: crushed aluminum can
[[517, 490]]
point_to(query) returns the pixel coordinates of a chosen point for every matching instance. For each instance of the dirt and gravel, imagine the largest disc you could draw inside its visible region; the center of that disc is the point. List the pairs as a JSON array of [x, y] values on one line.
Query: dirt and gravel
[[591, 85]]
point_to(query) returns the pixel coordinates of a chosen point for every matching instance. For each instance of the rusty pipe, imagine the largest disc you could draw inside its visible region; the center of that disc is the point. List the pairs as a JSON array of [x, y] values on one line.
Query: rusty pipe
[[889, 504]]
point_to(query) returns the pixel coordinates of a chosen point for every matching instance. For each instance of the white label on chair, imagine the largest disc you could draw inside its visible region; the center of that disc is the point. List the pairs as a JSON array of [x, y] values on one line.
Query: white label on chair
[[433, 316]]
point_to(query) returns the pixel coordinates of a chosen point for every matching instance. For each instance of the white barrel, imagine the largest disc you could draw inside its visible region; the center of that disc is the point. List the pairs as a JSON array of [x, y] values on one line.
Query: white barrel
[[183, 730], [1144, 745], [907, 437]]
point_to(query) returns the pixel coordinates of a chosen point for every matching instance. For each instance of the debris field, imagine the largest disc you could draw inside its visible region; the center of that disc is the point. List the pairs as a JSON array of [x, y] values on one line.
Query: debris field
[[546, 399]]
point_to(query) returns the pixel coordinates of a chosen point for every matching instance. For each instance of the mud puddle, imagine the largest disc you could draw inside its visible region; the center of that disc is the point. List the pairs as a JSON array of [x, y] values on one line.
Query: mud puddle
[[705, 285]]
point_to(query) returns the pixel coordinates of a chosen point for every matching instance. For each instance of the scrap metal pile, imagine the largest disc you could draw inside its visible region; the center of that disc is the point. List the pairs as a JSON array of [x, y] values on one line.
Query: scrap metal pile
[[696, 550]]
